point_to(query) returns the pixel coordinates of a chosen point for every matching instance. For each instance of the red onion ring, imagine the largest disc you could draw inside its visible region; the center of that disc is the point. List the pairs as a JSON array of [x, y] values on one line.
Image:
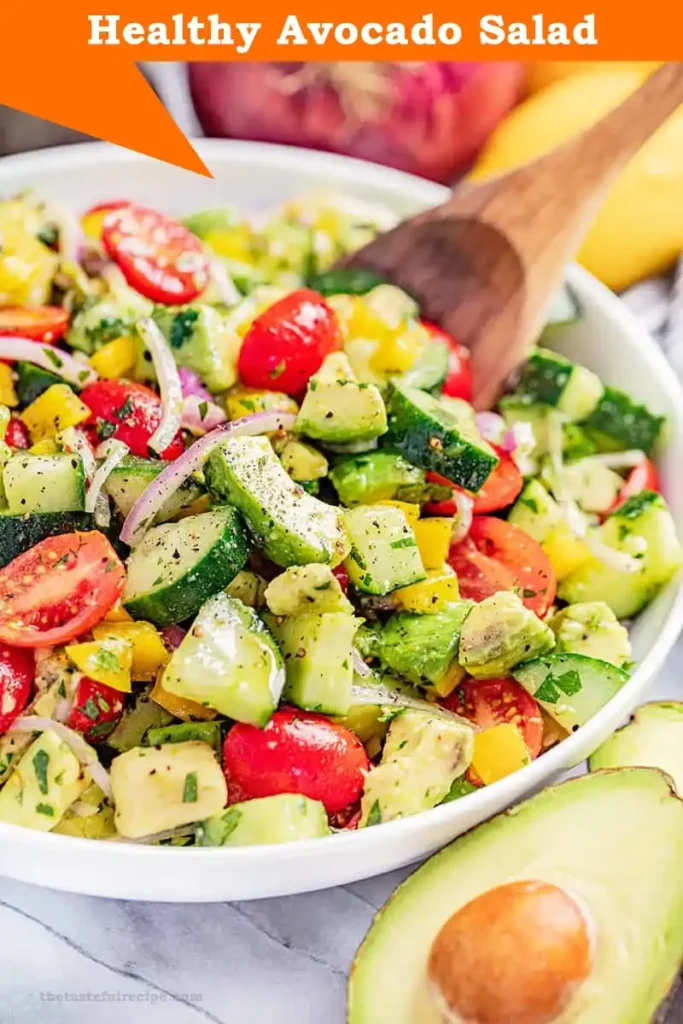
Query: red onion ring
[[48, 358]]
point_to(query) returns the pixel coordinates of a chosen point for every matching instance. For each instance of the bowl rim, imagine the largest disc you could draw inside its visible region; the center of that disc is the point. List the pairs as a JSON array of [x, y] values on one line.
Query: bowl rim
[[512, 789]]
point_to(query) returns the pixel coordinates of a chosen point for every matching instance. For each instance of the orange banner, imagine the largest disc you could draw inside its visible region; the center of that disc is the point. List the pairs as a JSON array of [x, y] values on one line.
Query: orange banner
[[75, 63]]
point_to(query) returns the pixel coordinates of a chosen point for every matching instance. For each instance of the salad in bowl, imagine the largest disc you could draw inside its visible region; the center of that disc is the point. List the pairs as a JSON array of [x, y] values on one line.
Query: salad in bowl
[[265, 573]]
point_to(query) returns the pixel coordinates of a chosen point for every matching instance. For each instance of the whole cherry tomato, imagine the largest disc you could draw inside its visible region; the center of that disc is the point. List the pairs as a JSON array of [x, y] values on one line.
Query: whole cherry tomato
[[158, 256], [130, 413], [643, 477], [17, 435], [96, 709], [17, 670], [40, 323], [297, 752], [458, 383], [288, 342]]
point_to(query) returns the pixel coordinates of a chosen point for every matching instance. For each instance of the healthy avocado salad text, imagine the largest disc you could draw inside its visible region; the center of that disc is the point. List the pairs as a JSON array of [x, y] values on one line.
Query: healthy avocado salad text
[[264, 573]]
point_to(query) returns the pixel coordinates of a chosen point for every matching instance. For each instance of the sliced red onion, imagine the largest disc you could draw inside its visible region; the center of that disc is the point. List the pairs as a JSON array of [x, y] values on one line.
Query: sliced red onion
[[83, 751], [617, 560], [173, 636], [359, 666], [169, 384], [116, 452], [48, 357], [619, 460], [191, 384], [379, 695], [491, 426], [200, 416], [464, 506], [224, 285], [169, 480]]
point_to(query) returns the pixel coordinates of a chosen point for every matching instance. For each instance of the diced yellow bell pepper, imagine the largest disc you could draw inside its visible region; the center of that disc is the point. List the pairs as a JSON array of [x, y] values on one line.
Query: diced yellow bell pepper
[[115, 359], [234, 243], [445, 686], [179, 706], [433, 538], [8, 394], [565, 550], [552, 731], [397, 352], [106, 661], [430, 595], [410, 511], [117, 613], [27, 267], [247, 401], [149, 652], [45, 447], [498, 752], [53, 411]]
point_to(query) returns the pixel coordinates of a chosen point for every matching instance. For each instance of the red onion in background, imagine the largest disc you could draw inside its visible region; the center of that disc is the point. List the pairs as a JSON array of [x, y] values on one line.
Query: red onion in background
[[428, 119]]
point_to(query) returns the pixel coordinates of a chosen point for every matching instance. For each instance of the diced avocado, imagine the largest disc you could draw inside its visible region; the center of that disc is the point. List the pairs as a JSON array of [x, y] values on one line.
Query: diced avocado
[[499, 633], [380, 476], [339, 409], [642, 529], [420, 648], [384, 554], [588, 482], [137, 720], [44, 483], [202, 341], [249, 588], [91, 818], [553, 380], [303, 462], [203, 223], [160, 788], [432, 433], [228, 661], [312, 588], [32, 380], [293, 527], [593, 629], [570, 687], [652, 739], [133, 475], [44, 783], [184, 732], [618, 422], [317, 650], [535, 511], [423, 755], [284, 818], [613, 842], [106, 320], [370, 724]]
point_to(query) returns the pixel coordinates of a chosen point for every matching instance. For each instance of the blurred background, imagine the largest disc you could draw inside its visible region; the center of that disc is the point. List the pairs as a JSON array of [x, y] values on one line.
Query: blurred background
[[439, 120]]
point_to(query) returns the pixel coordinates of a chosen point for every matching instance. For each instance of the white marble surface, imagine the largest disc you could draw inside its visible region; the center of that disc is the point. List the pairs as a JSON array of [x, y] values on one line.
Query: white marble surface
[[68, 959]]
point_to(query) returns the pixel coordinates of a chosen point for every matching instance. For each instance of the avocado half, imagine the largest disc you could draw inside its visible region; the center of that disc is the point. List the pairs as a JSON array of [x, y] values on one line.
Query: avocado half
[[611, 841], [652, 739]]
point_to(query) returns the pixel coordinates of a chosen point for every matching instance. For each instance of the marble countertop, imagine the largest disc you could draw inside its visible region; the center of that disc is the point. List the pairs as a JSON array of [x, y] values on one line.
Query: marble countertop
[[68, 959]]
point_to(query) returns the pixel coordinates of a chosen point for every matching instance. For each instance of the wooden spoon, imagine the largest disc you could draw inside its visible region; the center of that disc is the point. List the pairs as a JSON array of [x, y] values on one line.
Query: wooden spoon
[[485, 263]]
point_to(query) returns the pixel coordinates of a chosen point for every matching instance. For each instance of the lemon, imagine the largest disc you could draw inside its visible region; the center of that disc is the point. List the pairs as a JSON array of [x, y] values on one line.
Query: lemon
[[639, 228], [545, 72]]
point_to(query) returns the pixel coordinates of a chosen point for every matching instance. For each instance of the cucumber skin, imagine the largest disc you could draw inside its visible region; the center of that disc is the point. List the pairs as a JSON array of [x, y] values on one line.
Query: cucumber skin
[[620, 423], [19, 533], [32, 381], [183, 599], [413, 433], [544, 377], [204, 732], [430, 368]]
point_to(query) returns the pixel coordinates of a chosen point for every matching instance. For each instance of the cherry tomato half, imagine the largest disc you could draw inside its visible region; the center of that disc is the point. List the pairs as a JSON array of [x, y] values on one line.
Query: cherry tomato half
[[158, 256], [501, 489], [129, 412], [17, 670], [458, 383], [499, 556], [643, 477], [342, 575], [96, 709], [58, 589], [40, 323], [297, 752], [489, 702], [287, 343], [17, 435]]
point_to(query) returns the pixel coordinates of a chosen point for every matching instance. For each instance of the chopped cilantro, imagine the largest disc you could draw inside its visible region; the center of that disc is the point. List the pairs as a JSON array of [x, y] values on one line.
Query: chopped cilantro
[[41, 760], [125, 410], [45, 809], [105, 429], [183, 327], [203, 409], [375, 815], [404, 542], [108, 329], [53, 357], [107, 660], [90, 710], [190, 788]]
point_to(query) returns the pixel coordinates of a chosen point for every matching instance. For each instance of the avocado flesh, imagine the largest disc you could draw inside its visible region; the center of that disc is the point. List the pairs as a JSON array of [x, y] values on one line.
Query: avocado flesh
[[574, 835], [652, 739]]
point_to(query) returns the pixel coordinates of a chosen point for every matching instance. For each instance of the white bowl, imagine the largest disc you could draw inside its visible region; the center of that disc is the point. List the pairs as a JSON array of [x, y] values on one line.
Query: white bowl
[[607, 339]]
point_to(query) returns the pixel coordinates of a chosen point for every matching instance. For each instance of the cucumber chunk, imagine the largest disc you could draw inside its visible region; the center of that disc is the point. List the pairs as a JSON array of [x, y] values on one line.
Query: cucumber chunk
[[430, 369], [535, 511], [19, 533], [384, 553], [133, 475], [284, 818], [184, 732], [618, 422], [228, 661], [32, 381], [431, 433], [570, 687], [553, 380], [44, 483], [176, 567], [293, 527]]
